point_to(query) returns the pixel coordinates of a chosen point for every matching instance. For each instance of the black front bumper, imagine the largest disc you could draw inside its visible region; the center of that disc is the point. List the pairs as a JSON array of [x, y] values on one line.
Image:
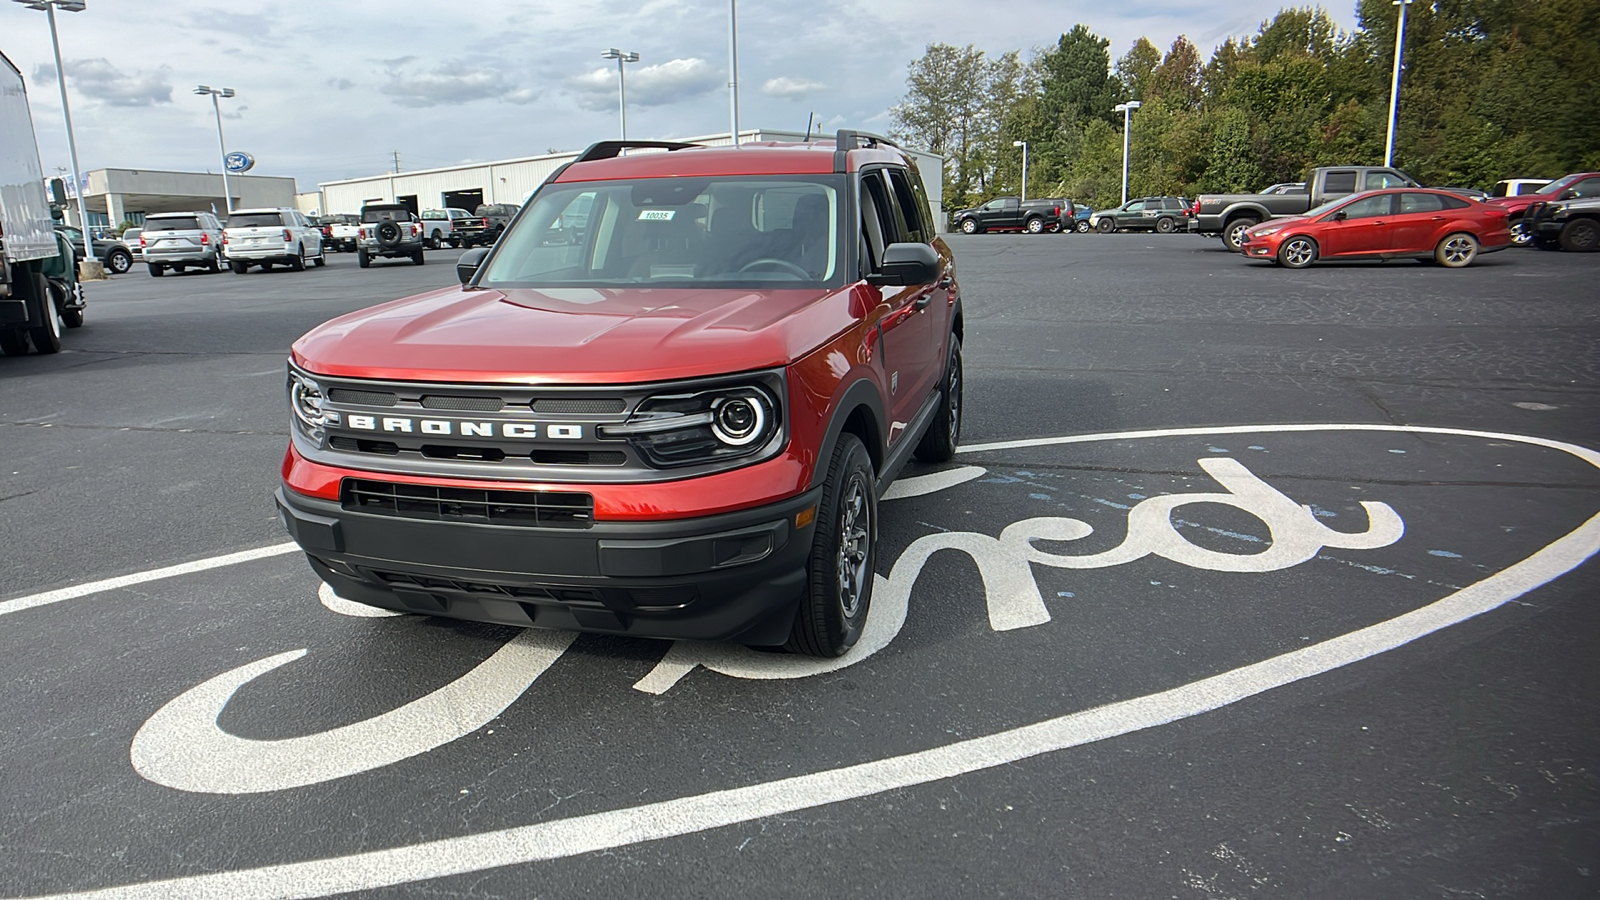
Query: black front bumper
[[736, 576]]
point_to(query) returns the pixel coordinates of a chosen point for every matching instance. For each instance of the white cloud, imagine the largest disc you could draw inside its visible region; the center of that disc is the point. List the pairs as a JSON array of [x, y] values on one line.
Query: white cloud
[[658, 85], [784, 86], [98, 79], [412, 84]]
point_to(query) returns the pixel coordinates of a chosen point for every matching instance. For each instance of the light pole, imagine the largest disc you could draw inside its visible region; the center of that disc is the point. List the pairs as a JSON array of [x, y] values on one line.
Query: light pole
[[1024, 146], [733, 68], [1127, 121], [1394, 84], [49, 7], [202, 90], [622, 56]]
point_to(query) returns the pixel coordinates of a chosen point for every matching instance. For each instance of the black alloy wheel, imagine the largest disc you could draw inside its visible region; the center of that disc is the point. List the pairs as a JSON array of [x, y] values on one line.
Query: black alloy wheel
[[1580, 236], [841, 569]]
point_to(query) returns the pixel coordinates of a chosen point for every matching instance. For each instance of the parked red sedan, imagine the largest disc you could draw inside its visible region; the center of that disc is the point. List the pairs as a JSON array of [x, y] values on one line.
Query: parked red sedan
[[1398, 223]]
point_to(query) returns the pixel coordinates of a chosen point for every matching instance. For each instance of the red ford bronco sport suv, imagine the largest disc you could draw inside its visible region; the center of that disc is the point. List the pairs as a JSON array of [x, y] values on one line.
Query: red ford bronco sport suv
[[664, 404]]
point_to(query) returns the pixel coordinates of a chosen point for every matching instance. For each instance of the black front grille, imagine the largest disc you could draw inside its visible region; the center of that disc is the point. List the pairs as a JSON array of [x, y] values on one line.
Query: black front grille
[[579, 457], [555, 593], [578, 406], [362, 398], [469, 404], [521, 509]]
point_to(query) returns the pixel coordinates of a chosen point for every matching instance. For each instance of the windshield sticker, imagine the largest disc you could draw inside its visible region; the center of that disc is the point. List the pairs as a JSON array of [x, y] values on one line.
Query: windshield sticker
[[656, 215]]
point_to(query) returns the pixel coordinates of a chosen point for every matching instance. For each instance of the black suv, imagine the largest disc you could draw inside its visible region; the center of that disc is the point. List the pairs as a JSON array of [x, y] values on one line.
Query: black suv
[[1163, 214], [490, 220]]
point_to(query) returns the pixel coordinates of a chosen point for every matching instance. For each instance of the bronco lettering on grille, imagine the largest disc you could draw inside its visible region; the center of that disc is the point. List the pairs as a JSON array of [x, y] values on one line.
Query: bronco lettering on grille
[[404, 425]]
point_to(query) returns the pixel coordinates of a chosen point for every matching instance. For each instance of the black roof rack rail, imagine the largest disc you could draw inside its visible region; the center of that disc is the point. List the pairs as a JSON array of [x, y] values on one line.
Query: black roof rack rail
[[612, 149], [848, 139]]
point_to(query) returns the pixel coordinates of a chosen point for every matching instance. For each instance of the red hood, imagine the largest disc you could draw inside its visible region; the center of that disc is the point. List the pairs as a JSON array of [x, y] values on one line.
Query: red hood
[[1520, 202], [577, 335]]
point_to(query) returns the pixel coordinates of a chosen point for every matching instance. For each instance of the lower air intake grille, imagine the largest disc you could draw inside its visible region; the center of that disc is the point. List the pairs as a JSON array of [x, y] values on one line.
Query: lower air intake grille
[[521, 509], [576, 406]]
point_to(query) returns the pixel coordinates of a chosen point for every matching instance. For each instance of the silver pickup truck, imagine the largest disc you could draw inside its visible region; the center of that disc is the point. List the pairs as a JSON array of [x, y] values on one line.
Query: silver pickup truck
[[1229, 215]]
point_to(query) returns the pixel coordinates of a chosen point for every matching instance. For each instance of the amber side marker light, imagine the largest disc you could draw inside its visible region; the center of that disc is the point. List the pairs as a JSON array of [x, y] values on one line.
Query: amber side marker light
[[805, 517]]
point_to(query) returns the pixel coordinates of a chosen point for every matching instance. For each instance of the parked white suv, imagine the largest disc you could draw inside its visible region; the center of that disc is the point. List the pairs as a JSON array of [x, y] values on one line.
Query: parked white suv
[[261, 237], [181, 240]]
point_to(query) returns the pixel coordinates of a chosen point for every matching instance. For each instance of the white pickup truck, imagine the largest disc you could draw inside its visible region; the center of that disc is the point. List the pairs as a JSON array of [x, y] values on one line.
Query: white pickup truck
[[443, 226]]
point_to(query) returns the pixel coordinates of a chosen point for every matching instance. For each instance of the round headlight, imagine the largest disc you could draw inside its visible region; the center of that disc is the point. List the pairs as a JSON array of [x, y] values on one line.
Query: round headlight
[[305, 396], [738, 420]]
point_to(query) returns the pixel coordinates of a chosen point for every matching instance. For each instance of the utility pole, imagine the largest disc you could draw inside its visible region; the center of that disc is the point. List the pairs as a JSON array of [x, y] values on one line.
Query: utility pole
[[396, 155], [1394, 84], [733, 68]]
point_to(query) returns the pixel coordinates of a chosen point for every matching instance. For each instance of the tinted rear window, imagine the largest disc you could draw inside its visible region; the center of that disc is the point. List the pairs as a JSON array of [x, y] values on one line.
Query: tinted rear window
[[253, 220], [378, 215], [177, 223]]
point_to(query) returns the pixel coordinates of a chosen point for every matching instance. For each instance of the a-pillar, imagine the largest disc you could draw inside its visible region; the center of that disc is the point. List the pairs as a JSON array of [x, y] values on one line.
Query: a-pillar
[[114, 210]]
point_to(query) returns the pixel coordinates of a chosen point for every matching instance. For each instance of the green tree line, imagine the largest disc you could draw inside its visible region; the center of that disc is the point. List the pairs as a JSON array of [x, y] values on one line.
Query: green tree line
[[1491, 89]]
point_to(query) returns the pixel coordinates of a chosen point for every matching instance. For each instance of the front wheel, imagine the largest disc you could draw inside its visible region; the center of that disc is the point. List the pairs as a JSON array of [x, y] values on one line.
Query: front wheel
[[47, 336], [322, 256], [1580, 236], [1456, 251], [1106, 226], [1297, 253], [969, 226], [119, 260], [1521, 234], [1082, 227], [939, 442], [843, 556]]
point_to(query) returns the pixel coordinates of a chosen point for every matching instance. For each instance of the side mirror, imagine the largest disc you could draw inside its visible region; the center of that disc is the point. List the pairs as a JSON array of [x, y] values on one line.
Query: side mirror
[[1340, 216], [907, 264], [1569, 195], [467, 265]]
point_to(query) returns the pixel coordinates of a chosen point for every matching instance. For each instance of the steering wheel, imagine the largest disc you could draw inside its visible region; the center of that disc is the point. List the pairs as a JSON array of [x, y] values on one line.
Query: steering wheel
[[776, 263]]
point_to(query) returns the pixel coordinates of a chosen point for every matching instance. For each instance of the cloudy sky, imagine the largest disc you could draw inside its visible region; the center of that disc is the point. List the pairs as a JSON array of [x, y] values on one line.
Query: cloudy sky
[[329, 90]]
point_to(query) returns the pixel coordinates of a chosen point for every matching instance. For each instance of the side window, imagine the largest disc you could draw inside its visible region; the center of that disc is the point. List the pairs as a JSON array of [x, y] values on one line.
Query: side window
[[923, 206], [1010, 203], [1368, 207], [993, 205], [1339, 183], [913, 213], [879, 222], [1420, 203], [1377, 181], [1135, 206], [1453, 202], [1588, 187]]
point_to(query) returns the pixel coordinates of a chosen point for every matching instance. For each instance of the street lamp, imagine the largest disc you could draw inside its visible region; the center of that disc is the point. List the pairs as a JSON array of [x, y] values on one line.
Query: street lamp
[[733, 69], [621, 57], [1127, 121], [49, 7], [1394, 85], [1024, 146], [202, 90]]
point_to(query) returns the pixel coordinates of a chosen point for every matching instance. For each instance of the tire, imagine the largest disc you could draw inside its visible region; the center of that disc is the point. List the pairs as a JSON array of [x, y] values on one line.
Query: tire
[[1082, 227], [61, 293], [969, 226], [840, 571], [1106, 226], [1456, 251], [1521, 235], [432, 242], [362, 258], [47, 337], [156, 271], [418, 258], [322, 256], [14, 341], [238, 268], [1297, 252], [297, 262], [1580, 236], [119, 261], [1035, 225], [266, 265], [939, 442], [1235, 229], [1165, 225], [1545, 242], [214, 266]]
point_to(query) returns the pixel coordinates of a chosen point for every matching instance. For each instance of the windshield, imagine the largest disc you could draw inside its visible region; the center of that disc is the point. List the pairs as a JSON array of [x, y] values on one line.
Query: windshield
[[1559, 185], [176, 223], [435, 214], [761, 231], [254, 220], [1331, 205]]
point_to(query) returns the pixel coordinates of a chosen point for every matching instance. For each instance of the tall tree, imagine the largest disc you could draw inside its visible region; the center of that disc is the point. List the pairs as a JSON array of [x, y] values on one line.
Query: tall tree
[[1076, 79], [942, 108], [1135, 68], [1178, 77]]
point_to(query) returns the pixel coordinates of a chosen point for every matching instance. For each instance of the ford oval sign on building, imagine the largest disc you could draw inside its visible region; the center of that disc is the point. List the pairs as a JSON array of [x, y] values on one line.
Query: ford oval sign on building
[[238, 161]]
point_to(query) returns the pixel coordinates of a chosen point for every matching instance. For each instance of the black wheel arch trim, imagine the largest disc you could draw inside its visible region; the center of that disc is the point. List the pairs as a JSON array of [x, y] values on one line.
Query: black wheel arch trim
[[863, 393]]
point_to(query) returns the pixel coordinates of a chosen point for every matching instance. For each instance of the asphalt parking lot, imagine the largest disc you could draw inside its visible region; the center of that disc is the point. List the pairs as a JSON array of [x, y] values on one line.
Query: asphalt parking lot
[[1248, 582]]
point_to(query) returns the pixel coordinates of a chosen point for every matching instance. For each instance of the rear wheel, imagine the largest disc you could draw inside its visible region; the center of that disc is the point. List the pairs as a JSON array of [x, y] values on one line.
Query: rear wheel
[[1035, 225], [238, 268], [215, 265], [46, 336], [298, 261], [1165, 225], [1233, 232], [363, 259], [1297, 253], [418, 258], [1521, 234], [1082, 227], [1456, 250], [1581, 236], [939, 442], [843, 555], [119, 260], [157, 271], [14, 341]]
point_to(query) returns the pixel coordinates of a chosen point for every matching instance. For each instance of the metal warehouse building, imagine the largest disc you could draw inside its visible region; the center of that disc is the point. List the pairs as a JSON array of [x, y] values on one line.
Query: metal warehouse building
[[512, 180]]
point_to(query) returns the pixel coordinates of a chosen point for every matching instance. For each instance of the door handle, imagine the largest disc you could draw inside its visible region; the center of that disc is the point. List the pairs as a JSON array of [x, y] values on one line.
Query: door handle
[[922, 302], [1438, 218]]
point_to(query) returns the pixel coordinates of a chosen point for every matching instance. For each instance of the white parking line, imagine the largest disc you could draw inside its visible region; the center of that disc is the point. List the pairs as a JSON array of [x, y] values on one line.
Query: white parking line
[[31, 601]]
